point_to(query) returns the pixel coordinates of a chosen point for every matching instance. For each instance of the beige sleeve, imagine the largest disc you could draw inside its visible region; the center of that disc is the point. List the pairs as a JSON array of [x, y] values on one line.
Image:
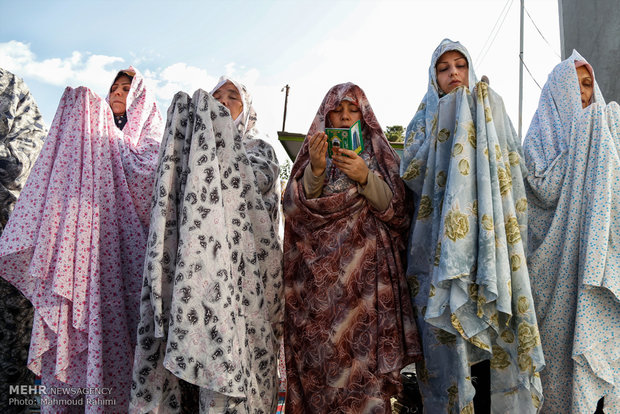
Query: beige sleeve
[[313, 185], [376, 191]]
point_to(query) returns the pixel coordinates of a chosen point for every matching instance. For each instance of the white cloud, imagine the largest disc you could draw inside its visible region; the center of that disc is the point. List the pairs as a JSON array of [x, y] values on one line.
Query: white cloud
[[179, 77], [144, 56], [97, 71], [248, 77], [182, 77], [14, 55], [230, 69], [78, 69]]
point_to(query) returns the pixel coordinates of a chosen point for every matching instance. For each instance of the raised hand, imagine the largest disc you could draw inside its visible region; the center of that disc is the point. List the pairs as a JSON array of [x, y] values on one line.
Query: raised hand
[[317, 146]]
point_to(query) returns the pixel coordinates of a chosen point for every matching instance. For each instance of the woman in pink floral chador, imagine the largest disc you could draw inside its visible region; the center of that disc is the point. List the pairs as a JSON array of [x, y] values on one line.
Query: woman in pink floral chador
[[75, 242]]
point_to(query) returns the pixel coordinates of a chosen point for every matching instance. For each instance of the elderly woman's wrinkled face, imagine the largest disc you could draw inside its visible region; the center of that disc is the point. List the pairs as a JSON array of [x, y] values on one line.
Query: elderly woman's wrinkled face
[[344, 115], [229, 96], [452, 70], [118, 95], [586, 84]]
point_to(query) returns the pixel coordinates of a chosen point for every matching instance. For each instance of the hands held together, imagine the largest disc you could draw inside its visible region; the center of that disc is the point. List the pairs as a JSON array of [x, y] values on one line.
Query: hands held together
[[345, 160]]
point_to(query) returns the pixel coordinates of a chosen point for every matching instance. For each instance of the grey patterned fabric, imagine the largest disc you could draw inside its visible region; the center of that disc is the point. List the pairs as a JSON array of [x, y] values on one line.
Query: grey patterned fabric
[[211, 309], [21, 137]]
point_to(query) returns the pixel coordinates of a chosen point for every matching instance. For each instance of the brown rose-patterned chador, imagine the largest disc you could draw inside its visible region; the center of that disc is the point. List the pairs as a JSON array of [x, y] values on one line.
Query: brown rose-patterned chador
[[348, 318]]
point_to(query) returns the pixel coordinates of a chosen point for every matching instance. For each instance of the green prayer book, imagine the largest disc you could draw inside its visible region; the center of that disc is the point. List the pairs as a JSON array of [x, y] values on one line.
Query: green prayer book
[[348, 138]]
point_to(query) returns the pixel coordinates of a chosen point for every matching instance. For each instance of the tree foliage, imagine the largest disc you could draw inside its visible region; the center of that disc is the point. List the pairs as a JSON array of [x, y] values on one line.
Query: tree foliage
[[395, 133]]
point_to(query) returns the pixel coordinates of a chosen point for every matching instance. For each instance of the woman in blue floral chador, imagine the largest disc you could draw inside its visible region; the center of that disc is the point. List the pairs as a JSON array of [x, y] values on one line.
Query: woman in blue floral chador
[[466, 259]]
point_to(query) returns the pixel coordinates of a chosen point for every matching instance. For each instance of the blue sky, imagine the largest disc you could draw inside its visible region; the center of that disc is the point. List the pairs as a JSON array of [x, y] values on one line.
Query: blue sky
[[383, 46]]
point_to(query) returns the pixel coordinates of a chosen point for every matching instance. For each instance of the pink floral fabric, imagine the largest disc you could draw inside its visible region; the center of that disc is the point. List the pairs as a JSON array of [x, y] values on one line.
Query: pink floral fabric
[[348, 319], [75, 242]]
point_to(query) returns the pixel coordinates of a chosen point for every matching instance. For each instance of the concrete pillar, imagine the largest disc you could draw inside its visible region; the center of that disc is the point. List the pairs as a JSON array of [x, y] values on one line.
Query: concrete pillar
[[592, 27]]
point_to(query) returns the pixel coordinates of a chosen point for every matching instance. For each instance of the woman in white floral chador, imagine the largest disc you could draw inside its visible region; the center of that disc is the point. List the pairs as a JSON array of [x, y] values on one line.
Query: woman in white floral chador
[[572, 153], [211, 311]]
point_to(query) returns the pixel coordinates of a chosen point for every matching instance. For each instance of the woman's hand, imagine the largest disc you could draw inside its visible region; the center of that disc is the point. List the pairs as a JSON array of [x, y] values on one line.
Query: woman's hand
[[317, 146], [351, 164]]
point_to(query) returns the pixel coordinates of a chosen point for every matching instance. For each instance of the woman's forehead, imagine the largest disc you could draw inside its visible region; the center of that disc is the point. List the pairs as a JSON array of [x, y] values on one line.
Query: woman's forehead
[[122, 80], [450, 55], [583, 72], [349, 100]]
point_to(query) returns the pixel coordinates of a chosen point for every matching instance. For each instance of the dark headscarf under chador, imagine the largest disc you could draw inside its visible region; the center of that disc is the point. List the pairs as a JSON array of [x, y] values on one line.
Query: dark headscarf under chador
[[348, 321]]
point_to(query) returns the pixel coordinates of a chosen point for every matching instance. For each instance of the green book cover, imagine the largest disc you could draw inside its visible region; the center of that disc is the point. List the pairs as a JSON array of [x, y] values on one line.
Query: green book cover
[[348, 138]]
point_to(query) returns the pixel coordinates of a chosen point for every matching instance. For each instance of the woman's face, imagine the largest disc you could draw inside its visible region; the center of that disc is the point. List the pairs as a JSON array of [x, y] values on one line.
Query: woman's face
[[118, 95], [452, 70], [229, 96], [586, 85], [345, 115]]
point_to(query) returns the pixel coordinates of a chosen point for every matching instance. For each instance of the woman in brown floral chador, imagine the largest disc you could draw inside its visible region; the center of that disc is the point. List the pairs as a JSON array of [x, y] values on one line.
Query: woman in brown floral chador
[[348, 320]]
